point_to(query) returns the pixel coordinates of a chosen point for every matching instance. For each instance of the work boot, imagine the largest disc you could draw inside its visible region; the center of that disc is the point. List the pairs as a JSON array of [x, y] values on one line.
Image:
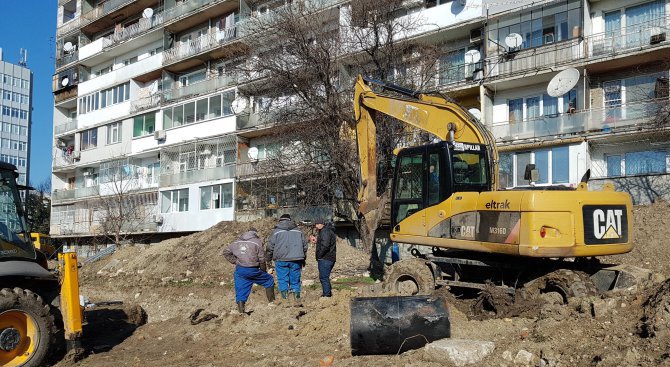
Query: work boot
[[240, 306], [270, 293], [297, 295], [284, 294]]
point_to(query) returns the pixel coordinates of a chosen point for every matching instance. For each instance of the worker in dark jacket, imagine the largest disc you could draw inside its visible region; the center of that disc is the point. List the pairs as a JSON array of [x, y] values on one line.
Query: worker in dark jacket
[[250, 267], [287, 247], [325, 253]]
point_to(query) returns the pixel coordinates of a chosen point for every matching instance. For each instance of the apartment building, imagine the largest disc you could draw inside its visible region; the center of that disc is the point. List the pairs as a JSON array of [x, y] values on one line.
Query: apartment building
[[16, 89], [146, 103]]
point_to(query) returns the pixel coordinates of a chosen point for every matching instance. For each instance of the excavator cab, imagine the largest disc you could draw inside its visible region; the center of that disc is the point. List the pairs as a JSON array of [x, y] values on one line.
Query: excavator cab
[[427, 175], [14, 239]]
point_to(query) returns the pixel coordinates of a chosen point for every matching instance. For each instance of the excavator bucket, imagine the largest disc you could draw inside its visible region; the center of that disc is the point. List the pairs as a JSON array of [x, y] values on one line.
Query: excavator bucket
[[392, 325]]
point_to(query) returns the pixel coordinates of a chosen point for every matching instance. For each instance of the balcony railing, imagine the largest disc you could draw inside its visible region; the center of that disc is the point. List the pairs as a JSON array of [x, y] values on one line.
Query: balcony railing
[[79, 193], [142, 26], [249, 25], [207, 174], [63, 160], [188, 7], [628, 39], [68, 27], [104, 9], [205, 86], [70, 125], [206, 42], [65, 79], [602, 120], [145, 102], [544, 57], [66, 59]]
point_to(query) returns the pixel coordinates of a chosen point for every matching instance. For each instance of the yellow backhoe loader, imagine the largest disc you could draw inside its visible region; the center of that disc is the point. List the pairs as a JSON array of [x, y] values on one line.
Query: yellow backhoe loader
[[445, 196], [38, 308]]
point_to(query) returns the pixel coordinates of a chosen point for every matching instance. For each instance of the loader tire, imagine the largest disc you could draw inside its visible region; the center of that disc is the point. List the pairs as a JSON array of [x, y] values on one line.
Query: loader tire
[[409, 277], [568, 283], [27, 331]]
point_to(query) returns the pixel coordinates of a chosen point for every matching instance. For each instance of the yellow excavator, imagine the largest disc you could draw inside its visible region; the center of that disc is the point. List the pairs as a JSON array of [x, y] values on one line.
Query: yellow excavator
[[445, 195], [39, 309]]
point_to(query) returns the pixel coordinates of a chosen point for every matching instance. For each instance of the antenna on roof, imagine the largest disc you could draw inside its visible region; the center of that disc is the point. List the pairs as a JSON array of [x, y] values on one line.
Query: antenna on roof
[[23, 55]]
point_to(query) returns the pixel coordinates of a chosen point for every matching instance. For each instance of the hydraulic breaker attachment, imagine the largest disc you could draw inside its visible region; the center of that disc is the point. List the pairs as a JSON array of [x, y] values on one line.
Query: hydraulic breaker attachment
[[392, 325], [72, 312]]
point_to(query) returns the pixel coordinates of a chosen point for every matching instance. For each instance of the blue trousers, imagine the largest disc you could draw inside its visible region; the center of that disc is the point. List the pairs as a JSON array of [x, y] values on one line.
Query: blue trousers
[[245, 279], [325, 267], [288, 275]]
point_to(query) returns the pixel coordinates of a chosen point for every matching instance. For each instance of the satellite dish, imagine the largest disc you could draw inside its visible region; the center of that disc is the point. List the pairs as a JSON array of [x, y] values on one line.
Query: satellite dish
[[513, 40], [65, 81], [563, 82], [239, 104], [472, 56], [68, 46], [476, 113], [147, 13], [253, 153]]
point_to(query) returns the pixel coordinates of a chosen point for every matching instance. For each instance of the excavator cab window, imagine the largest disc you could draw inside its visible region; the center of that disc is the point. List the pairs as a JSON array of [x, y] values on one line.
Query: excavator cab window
[[470, 168], [14, 240], [409, 184]]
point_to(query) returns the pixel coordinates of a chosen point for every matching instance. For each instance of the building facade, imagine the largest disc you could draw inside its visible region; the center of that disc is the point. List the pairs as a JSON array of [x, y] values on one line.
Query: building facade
[[16, 86], [146, 103]]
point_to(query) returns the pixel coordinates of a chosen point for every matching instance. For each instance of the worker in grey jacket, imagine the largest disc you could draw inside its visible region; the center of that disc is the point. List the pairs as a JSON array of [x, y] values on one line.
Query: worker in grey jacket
[[250, 267], [287, 247]]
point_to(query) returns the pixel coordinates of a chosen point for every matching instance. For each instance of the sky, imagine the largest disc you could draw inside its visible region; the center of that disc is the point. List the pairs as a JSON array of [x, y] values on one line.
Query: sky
[[31, 24]]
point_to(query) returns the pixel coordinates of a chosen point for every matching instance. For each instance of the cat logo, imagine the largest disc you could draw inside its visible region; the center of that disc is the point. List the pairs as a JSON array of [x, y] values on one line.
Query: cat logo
[[607, 224]]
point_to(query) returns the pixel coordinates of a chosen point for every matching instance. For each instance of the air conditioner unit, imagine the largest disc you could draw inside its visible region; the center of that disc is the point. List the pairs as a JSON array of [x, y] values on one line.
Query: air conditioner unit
[[159, 134], [76, 154], [158, 219], [657, 38], [476, 35]]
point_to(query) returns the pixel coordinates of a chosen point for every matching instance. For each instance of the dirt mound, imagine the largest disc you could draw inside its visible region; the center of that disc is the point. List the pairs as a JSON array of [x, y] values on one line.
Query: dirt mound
[[656, 319], [195, 258], [651, 237]]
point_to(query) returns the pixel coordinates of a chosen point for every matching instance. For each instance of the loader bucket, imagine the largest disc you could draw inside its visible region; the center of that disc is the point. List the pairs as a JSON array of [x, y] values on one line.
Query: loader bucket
[[392, 325]]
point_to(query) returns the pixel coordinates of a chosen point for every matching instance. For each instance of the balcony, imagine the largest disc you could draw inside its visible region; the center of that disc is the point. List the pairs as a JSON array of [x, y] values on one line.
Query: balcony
[[68, 27], [206, 86], [530, 61], [188, 7], [460, 74], [594, 121], [67, 58], [214, 39], [65, 79], [635, 38], [143, 25], [65, 127], [249, 26], [104, 9]]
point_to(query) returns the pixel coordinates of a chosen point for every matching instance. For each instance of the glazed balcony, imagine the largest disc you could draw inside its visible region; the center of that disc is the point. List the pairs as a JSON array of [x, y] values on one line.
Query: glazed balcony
[[652, 34], [594, 121]]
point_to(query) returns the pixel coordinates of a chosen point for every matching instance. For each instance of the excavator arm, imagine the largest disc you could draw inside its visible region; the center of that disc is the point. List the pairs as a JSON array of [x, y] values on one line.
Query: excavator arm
[[445, 119]]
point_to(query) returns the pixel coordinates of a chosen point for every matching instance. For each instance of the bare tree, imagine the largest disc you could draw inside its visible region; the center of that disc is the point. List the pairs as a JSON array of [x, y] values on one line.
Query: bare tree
[[301, 73], [38, 207], [121, 210]]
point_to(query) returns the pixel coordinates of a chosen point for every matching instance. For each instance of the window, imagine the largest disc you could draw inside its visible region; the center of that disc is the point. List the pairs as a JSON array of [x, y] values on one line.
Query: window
[[114, 133], [144, 124], [550, 105], [555, 22], [522, 160], [89, 139], [104, 70], [645, 162], [409, 187], [16, 129], [174, 201], [542, 165], [506, 170], [613, 98], [129, 61], [570, 101], [452, 66], [195, 77], [214, 106], [200, 110], [104, 98], [515, 110], [433, 179], [560, 165], [532, 108], [613, 165], [216, 197]]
